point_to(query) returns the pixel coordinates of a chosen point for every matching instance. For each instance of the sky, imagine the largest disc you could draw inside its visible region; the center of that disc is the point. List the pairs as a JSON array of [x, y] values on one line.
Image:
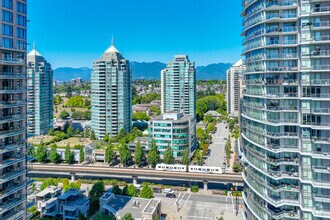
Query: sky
[[74, 33]]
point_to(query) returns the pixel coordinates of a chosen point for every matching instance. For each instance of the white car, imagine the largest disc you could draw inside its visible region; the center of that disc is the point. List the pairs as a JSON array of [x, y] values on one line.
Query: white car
[[168, 190]]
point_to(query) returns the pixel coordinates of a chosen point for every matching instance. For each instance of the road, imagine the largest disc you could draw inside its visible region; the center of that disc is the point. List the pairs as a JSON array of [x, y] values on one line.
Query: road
[[218, 146]]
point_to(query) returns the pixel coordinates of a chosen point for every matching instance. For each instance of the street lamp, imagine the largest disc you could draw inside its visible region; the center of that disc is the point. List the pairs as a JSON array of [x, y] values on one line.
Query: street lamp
[[237, 201]]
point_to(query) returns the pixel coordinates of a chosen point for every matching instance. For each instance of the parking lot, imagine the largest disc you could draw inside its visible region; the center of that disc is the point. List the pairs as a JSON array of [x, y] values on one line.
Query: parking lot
[[217, 148]]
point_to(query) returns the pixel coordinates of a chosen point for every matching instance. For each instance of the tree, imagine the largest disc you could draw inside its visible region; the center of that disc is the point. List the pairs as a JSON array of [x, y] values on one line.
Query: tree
[[77, 131], [51, 131], [106, 137], [153, 154], [64, 114], [66, 127], [81, 216], [185, 157], [109, 154], [75, 101], [101, 216], [41, 153], [87, 103], [121, 135], [70, 131], [130, 190], [68, 155], [94, 195], [142, 116], [124, 154], [168, 155], [127, 216], [146, 192], [116, 190], [237, 167], [72, 185], [138, 153], [81, 154], [93, 137], [54, 157]]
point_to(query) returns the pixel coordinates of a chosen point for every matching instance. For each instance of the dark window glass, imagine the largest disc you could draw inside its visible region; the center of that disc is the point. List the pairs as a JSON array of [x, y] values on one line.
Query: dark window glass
[[7, 30], [7, 16], [21, 33], [21, 20], [21, 7], [7, 42], [7, 4]]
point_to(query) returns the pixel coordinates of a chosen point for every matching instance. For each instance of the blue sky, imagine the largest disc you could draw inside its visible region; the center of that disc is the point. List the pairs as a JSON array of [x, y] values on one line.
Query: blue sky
[[76, 32]]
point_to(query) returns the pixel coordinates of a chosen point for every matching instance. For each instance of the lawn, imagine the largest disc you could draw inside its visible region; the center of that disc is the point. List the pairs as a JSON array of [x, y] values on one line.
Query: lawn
[[71, 141], [74, 141], [60, 107]]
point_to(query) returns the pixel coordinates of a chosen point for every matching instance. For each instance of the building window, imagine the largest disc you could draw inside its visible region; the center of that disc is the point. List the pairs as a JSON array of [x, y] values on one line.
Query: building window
[[21, 45], [7, 4], [21, 33], [21, 20], [21, 7], [7, 30], [7, 16], [7, 42]]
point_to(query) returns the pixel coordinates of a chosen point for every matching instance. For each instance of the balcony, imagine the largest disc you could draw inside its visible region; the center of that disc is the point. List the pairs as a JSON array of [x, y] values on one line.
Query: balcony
[[11, 75], [11, 175], [11, 189], [5, 206], [11, 146], [321, 169], [11, 161], [321, 9], [279, 174], [9, 104], [282, 134], [11, 132], [10, 118], [12, 61], [281, 42], [12, 89], [282, 56], [316, 123], [282, 68], [14, 215], [277, 30], [282, 3], [282, 82]]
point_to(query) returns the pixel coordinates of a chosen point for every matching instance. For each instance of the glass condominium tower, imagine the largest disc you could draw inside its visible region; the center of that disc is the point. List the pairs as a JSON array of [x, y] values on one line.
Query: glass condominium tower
[[40, 94], [13, 88], [285, 120], [111, 94], [178, 86]]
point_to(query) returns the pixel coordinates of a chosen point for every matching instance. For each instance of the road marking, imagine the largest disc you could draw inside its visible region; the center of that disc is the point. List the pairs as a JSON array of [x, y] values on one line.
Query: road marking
[[182, 197], [186, 200], [177, 199]]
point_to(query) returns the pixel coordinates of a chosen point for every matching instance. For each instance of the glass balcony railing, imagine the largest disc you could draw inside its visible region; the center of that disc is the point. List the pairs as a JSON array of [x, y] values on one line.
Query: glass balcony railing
[[320, 9], [282, 3], [280, 42]]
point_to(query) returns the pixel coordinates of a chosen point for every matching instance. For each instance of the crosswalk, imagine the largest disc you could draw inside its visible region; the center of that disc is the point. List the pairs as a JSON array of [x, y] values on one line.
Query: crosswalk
[[182, 199]]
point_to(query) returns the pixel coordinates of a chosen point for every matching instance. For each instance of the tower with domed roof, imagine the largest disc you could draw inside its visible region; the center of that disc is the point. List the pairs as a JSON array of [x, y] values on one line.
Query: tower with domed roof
[[111, 84]]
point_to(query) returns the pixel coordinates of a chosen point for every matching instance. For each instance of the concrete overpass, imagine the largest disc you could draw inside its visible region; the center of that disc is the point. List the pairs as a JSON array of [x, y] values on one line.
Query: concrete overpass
[[104, 171]]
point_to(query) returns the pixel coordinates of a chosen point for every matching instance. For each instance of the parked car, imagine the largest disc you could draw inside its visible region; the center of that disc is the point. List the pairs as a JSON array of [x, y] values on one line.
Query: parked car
[[170, 195], [156, 190], [168, 190]]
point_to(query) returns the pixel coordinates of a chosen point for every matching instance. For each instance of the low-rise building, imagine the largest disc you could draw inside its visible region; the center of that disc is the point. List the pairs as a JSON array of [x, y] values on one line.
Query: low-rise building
[[175, 129], [69, 205], [141, 209], [143, 141]]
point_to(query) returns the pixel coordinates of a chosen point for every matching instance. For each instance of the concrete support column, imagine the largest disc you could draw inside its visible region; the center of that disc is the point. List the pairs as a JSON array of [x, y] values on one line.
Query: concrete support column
[[134, 178], [205, 183], [73, 177]]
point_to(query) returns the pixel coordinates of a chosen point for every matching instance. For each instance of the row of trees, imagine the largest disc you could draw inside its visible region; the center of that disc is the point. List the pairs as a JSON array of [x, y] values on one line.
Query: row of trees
[[147, 98], [152, 158], [43, 154]]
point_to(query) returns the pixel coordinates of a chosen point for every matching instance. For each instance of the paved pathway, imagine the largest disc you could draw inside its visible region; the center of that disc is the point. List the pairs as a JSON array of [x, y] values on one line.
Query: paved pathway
[[218, 146]]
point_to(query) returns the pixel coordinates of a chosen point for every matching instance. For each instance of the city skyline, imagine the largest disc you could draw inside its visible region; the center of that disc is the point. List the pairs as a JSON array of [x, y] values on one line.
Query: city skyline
[[196, 29]]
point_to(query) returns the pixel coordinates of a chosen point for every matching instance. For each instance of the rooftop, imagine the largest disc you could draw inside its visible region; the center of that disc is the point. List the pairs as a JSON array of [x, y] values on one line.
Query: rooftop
[[133, 205], [34, 52], [49, 189], [173, 116], [70, 192]]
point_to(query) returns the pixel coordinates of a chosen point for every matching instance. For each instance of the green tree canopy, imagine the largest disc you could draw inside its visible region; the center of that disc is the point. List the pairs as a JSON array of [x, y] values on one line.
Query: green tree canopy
[[94, 195], [41, 153], [124, 154], [168, 155], [64, 114], [153, 154], [127, 216], [54, 157], [146, 192], [75, 101], [81, 154], [138, 153], [130, 190], [106, 137], [109, 154], [142, 116], [116, 190], [70, 131], [93, 137], [185, 157], [68, 155]]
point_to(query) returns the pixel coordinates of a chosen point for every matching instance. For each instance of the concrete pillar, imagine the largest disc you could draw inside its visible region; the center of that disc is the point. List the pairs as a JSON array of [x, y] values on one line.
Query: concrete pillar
[[134, 180], [205, 182], [73, 177]]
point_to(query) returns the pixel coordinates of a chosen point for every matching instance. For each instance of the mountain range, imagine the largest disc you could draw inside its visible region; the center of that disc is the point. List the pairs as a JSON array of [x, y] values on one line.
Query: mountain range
[[144, 70]]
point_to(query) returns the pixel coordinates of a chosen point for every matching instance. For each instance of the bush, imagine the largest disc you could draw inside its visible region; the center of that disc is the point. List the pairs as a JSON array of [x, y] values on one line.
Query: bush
[[194, 188], [146, 192], [130, 190], [116, 190]]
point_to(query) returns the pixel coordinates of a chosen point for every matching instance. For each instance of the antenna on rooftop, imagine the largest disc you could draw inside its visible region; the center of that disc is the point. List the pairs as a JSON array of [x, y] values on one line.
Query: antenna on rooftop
[[112, 40]]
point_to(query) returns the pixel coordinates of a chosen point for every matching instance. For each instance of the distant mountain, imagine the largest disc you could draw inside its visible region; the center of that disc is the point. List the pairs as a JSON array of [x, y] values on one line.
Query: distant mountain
[[67, 73], [145, 70], [213, 71]]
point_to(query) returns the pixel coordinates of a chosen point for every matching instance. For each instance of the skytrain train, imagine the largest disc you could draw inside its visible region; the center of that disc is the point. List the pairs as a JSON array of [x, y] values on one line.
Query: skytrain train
[[188, 168]]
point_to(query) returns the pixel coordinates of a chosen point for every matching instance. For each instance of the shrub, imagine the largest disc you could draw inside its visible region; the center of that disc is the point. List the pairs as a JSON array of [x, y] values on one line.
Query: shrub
[[194, 188]]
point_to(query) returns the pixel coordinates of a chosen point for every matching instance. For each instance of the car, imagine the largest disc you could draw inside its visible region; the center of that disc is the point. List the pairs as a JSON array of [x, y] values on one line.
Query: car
[[225, 138], [170, 195], [168, 190], [156, 190]]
